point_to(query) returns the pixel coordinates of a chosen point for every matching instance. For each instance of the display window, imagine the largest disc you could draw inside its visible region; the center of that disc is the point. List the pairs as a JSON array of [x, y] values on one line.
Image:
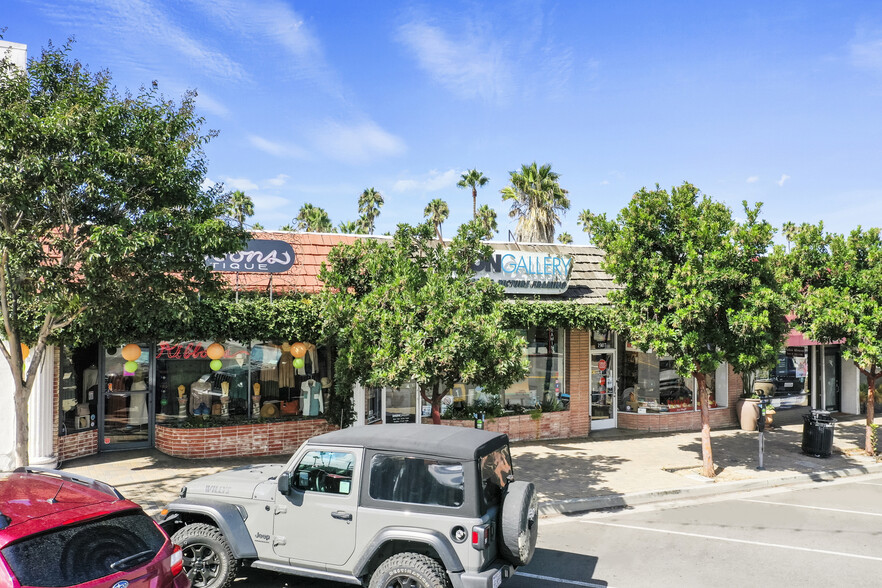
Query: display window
[[78, 389], [544, 385], [651, 384], [126, 401], [287, 380]]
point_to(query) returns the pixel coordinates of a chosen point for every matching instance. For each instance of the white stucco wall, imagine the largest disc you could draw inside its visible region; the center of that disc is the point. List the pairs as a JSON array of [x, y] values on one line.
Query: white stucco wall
[[851, 403], [41, 412]]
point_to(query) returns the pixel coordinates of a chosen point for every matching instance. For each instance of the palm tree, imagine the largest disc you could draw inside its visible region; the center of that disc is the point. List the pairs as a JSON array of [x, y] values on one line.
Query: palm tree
[[289, 227], [565, 238], [487, 220], [369, 204], [313, 219], [240, 207], [436, 212], [473, 179], [257, 227], [537, 201], [348, 227]]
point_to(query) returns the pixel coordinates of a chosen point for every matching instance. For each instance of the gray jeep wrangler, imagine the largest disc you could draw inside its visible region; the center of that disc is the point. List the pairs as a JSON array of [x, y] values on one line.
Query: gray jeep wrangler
[[380, 506]]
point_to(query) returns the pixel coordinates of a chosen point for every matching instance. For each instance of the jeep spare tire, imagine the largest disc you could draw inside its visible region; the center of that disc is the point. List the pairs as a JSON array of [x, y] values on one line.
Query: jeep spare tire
[[520, 523]]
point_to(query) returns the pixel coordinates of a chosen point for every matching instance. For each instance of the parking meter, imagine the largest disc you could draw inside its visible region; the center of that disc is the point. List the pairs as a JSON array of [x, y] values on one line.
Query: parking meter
[[761, 427]]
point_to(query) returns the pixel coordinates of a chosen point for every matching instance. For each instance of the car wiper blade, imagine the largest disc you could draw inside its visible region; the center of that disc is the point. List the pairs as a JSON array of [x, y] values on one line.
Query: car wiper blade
[[133, 560]]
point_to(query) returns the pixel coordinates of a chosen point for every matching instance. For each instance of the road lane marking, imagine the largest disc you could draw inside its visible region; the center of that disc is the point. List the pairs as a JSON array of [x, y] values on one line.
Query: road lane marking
[[561, 580], [731, 540], [840, 510], [870, 483]]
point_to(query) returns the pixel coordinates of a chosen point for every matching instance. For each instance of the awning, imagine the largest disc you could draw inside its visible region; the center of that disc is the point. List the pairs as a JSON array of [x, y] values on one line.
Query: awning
[[797, 339]]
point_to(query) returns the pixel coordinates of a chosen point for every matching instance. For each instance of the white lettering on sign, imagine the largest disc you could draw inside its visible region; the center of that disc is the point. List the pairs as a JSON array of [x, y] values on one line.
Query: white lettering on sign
[[522, 272]]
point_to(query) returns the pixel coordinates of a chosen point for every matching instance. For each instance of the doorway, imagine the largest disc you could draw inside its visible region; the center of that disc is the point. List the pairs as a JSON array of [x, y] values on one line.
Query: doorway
[[603, 389], [126, 404]]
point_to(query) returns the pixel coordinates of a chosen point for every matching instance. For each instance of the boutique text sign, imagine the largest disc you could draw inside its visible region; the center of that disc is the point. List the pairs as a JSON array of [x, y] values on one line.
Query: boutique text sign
[[521, 272], [264, 256]]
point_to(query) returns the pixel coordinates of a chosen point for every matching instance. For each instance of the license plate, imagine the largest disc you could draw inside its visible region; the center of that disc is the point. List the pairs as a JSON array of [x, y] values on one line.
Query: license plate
[[497, 579]]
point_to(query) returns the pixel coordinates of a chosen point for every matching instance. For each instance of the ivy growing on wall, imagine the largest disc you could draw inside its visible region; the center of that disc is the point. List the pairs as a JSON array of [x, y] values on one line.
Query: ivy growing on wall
[[521, 313]]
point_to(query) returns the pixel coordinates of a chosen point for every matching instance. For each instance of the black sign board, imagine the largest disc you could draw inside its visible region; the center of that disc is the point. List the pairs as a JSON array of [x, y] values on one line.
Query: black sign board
[[262, 256]]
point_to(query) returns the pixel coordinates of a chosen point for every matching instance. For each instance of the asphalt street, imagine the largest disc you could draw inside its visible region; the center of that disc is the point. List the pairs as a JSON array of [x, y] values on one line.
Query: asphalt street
[[819, 534]]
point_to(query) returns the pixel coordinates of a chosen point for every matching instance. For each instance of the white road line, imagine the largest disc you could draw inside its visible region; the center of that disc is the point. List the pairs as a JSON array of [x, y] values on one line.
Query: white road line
[[840, 510], [730, 540], [870, 483], [560, 580]]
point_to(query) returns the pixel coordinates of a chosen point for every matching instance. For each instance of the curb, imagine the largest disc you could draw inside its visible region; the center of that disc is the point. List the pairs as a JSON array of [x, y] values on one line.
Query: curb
[[578, 505]]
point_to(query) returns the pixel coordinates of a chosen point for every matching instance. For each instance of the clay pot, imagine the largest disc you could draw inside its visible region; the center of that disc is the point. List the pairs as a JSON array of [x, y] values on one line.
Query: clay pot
[[748, 411]]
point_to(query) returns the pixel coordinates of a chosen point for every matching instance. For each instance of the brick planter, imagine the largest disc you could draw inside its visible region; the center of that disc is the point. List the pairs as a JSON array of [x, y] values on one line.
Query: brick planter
[[77, 445], [278, 438], [550, 425]]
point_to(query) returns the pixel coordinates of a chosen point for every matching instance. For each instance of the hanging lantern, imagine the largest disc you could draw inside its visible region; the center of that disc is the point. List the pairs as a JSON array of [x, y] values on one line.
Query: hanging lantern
[[216, 364], [298, 350], [25, 351], [298, 362], [131, 352], [215, 351], [130, 367]]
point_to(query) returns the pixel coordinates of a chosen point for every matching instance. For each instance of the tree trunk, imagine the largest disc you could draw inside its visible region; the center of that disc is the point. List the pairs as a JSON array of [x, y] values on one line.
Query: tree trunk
[[871, 410], [474, 203], [21, 425], [434, 401], [707, 455]]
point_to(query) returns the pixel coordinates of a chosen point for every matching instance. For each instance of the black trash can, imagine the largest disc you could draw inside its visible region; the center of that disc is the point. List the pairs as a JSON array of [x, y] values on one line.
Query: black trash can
[[817, 433]]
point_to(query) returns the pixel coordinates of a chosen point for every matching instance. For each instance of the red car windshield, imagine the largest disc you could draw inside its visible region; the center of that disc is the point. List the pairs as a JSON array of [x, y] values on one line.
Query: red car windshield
[[84, 552]]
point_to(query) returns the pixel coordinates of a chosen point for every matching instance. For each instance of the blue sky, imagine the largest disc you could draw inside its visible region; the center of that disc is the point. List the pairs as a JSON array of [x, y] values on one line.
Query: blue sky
[[778, 102]]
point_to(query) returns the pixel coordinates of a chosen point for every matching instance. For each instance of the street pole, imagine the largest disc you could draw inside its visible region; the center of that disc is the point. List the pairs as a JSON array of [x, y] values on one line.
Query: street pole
[[761, 427]]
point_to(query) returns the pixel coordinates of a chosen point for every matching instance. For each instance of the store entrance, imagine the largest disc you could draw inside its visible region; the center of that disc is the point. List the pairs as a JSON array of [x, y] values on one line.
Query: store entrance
[[603, 389], [125, 407], [831, 359]]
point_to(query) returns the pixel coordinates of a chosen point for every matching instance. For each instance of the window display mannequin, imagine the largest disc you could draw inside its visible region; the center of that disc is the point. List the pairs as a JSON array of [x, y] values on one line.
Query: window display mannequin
[[267, 356], [182, 401], [312, 403], [287, 380]]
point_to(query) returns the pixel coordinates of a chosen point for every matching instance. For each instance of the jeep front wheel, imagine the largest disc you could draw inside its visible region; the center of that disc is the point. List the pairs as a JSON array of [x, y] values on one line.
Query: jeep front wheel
[[208, 559], [409, 570]]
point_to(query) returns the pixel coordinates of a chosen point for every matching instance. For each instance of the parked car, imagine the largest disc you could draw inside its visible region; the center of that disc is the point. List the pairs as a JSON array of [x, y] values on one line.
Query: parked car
[[412, 505], [58, 529]]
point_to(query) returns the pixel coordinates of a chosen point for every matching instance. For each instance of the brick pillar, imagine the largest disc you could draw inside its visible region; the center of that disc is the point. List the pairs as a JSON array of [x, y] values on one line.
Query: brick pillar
[[578, 382]]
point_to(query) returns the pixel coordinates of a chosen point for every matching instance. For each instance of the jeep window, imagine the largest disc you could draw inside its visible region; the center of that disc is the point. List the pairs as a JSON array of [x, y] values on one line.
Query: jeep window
[[325, 471], [495, 474], [81, 553], [416, 480]]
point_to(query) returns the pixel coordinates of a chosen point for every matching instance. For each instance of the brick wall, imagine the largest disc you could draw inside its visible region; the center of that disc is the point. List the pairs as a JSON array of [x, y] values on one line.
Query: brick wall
[[241, 440], [578, 383], [550, 425], [77, 445]]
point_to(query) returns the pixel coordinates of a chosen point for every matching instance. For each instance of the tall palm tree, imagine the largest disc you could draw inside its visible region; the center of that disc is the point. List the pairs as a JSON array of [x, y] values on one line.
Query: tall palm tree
[[369, 204], [565, 238], [289, 227], [436, 212], [537, 201], [473, 179], [487, 220], [240, 207], [313, 219], [348, 227], [257, 227]]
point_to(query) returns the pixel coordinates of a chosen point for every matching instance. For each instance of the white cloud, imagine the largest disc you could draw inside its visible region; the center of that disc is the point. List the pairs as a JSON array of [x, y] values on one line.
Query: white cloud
[[752, 179], [277, 181], [431, 182], [277, 149], [210, 105], [604, 183], [867, 52], [265, 202], [356, 144], [784, 178], [469, 67], [243, 184]]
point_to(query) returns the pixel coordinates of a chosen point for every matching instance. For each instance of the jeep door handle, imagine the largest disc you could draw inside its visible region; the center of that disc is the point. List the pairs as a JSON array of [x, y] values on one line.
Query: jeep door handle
[[342, 515]]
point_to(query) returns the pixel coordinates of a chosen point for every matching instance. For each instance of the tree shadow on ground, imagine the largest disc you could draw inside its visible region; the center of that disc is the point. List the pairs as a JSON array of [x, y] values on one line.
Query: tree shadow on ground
[[568, 475]]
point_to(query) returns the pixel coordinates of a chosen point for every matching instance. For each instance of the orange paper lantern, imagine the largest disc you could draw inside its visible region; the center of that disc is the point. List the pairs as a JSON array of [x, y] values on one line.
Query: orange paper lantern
[[131, 352], [298, 350], [215, 351], [25, 351]]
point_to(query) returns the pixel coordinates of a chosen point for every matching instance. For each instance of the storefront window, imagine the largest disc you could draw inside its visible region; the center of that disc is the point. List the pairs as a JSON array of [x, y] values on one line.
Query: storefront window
[[544, 384], [78, 389], [285, 386], [126, 390], [877, 399], [652, 385], [188, 386]]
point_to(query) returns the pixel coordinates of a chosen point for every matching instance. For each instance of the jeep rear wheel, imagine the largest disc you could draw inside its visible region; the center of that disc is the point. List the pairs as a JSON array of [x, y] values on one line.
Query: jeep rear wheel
[[208, 559], [409, 570], [520, 523]]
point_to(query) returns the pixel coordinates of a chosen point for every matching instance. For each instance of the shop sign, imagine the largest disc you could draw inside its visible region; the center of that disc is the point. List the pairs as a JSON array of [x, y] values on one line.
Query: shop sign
[[181, 351], [265, 256], [521, 272]]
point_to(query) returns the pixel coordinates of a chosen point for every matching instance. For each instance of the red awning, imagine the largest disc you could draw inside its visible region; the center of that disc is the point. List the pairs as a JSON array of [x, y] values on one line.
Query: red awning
[[797, 339]]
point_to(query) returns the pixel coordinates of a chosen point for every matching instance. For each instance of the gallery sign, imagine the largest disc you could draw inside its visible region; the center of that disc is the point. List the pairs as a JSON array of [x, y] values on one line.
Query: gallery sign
[[266, 256], [521, 272]]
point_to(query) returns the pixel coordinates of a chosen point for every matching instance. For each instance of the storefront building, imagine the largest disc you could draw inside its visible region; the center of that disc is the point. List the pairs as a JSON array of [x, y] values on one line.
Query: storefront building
[[205, 399]]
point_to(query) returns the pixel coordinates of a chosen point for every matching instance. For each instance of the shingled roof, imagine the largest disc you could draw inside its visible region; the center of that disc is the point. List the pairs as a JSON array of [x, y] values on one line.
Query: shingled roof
[[588, 283]]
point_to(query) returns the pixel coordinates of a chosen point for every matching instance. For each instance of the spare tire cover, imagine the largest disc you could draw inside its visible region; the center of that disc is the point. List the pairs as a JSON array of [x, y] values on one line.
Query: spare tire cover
[[520, 523]]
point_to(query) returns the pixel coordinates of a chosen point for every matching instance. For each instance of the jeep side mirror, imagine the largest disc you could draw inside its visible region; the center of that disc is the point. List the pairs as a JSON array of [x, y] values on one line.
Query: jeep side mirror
[[285, 482]]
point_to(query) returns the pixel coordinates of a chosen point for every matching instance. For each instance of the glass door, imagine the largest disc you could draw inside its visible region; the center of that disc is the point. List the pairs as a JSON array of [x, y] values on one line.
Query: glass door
[[832, 389], [402, 404], [603, 389], [126, 411]]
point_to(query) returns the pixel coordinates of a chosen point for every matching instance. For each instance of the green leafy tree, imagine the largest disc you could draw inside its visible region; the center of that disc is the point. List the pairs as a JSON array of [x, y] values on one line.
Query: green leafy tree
[[240, 207], [537, 202], [696, 285], [102, 213], [409, 310], [473, 179], [835, 282], [565, 238], [369, 204], [487, 221], [436, 213], [313, 219]]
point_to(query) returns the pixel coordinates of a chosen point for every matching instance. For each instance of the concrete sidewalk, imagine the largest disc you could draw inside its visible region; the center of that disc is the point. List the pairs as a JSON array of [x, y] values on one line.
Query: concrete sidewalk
[[609, 469]]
